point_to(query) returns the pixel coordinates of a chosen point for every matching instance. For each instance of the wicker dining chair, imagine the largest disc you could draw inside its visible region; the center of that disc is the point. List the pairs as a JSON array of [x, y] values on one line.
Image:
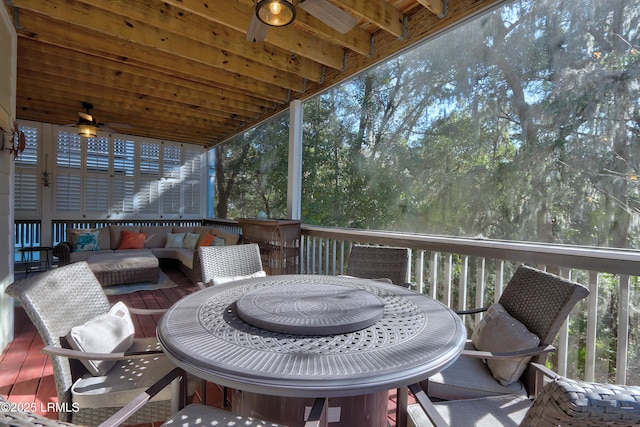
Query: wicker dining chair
[[379, 262], [62, 298], [561, 402], [540, 301], [221, 264]]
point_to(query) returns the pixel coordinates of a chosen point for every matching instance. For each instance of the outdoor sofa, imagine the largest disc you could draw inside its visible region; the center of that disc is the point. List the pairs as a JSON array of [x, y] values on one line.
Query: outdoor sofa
[[126, 254]]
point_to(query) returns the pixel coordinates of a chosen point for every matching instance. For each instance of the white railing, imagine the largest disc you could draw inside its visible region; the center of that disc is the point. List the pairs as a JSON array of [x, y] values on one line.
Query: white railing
[[599, 342], [466, 273]]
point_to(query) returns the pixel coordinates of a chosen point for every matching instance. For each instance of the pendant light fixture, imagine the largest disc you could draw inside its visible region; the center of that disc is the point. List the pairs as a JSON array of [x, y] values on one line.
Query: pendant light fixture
[[88, 130], [87, 125], [276, 13]]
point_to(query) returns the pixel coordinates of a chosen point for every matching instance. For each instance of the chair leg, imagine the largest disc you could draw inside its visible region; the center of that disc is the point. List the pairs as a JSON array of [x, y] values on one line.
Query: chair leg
[[317, 411], [203, 392], [402, 400], [226, 402]]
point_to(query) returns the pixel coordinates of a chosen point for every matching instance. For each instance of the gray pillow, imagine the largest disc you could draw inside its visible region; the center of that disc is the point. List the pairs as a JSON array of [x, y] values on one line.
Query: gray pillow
[[499, 332], [174, 240], [190, 240], [112, 332]]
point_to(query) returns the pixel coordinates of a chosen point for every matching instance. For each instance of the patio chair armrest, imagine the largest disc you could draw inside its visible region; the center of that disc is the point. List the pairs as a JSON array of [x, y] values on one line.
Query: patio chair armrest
[[471, 311], [140, 400], [508, 354], [83, 355], [537, 373], [427, 406], [147, 311]]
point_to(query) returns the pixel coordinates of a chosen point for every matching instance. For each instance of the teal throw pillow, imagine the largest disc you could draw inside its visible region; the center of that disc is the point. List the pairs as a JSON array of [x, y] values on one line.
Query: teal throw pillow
[[84, 241]]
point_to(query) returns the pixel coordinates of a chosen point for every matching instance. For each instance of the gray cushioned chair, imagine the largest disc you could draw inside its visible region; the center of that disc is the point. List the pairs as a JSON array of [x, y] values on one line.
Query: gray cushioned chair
[[65, 297], [379, 262], [562, 402], [541, 301], [229, 262]]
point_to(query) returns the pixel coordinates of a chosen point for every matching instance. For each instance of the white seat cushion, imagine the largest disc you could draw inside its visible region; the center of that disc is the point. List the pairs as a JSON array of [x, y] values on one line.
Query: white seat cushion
[[500, 411], [222, 280], [126, 380]]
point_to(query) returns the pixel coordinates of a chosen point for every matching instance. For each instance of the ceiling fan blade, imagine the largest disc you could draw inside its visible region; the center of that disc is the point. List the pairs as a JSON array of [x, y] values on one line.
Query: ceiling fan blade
[[331, 15], [85, 116], [257, 30]]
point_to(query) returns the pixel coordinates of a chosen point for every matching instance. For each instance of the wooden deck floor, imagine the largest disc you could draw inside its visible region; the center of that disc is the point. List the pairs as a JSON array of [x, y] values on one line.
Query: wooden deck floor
[[26, 375]]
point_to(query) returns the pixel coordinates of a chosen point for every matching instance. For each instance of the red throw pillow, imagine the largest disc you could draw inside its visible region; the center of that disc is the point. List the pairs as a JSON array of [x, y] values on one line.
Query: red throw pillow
[[206, 240], [131, 240]]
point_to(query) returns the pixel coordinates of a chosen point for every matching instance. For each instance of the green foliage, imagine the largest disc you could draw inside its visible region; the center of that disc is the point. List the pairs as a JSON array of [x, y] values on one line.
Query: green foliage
[[522, 124]]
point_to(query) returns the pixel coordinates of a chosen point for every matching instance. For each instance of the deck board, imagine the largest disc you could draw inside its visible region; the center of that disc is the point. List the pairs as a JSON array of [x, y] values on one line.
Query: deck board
[[26, 376]]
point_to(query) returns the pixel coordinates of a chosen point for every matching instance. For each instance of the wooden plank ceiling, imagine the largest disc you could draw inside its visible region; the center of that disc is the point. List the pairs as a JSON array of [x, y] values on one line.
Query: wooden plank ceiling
[[182, 70]]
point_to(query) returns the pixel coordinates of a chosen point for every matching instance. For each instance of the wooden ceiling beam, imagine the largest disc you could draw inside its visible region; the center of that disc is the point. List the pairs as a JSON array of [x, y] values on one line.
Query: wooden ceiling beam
[[81, 18], [357, 40], [57, 55], [251, 91], [378, 12], [56, 110], [186, 135], [45, 31], [165, 18], [34, 87], [208, 50], [136, 85], [237, 15], [435, 6]]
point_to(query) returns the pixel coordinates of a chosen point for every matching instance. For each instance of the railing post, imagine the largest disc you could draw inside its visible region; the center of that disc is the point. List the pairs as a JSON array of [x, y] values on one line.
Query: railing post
[[420, 271], [433, 273], [464, 281], [480, 286], [499, 285], [563, 336], [623, 330], [592, 327], [448, 279]]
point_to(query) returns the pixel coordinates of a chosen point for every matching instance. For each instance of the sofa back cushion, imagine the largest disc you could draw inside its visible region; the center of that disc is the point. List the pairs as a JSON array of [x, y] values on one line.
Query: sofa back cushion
[[183, 230], [156, 236]]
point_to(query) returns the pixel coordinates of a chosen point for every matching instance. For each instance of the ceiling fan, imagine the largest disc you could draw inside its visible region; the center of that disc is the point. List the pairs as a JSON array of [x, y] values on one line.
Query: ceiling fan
[[278, 13], [87, 124]]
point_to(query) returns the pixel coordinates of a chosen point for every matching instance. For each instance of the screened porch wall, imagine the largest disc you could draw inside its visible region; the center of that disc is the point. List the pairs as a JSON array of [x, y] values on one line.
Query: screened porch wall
[[466, 273]]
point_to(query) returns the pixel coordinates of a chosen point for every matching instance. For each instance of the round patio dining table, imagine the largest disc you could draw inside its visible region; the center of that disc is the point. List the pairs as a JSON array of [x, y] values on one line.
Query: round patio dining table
[[310, 336]]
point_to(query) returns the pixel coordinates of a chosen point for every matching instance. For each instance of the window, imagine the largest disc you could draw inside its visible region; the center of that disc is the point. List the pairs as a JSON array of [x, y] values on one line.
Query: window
[[67, 179], [96, 182], [123, 180], [26, 174], [118, 177], [520, 124], [251, 171], [149, 177]]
